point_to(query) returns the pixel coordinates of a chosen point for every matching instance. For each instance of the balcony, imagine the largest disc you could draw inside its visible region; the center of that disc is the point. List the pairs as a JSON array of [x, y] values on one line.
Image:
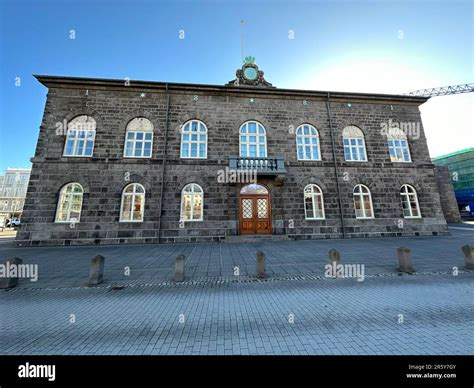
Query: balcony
[[263, 166]]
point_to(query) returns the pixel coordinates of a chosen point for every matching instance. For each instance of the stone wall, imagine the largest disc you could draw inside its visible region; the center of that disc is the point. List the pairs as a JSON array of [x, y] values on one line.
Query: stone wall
[[447, 195], [106, 174]]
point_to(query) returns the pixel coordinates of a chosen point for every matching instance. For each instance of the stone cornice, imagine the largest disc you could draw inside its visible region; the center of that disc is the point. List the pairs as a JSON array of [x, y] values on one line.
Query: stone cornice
[[151, 86]]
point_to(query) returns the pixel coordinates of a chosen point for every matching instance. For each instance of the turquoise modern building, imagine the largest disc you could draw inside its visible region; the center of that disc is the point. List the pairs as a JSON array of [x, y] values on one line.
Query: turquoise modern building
[[461, 168]]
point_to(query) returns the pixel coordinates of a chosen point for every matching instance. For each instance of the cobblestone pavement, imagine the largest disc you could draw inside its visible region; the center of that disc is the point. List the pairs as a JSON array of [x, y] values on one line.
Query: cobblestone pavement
[[296, 310], [69, 266], [330, 316]]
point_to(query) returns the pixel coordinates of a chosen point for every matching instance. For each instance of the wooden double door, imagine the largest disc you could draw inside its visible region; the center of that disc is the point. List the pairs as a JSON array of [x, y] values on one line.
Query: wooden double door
[[255, 212]]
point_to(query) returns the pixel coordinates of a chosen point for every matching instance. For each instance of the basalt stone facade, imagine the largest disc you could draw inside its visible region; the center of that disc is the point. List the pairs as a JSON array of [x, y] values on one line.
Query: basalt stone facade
[[447, 195], [223, 109]]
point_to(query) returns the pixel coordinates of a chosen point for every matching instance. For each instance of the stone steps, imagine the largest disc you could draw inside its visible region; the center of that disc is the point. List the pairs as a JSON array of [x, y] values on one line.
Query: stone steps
[[256, 238]]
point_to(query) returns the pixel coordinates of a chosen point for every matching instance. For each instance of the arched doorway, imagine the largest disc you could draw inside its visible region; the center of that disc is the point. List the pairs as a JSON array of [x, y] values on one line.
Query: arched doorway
[[255, 210]]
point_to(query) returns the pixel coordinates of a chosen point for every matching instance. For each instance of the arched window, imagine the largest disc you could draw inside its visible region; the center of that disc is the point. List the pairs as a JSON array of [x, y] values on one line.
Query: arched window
[[192, 198], [194, 140], [307, 143], [138, 138], [354, 144], [253, 140], [363, 202], [80, 136], [133, 203], [409, 198], [398, 145], [254, 188], [313, 203], [69, 203]]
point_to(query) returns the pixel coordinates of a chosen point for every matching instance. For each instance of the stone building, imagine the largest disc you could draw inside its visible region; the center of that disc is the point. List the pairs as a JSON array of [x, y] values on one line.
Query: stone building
[[13, 186], [148, 162]]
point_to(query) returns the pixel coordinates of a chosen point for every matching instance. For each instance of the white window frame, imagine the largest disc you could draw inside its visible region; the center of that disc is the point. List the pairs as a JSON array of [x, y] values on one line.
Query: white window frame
[[132, 194], [187, 130], [146, 127], [314, 196], [244, 132], [313, 134], [73, 134], [62, 193], [361, 194], [394, 158], [353, 137], [404, 192], [192, 193]]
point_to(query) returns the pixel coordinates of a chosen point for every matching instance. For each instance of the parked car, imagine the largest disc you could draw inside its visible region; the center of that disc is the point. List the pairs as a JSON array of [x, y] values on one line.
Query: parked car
[[11, 223]]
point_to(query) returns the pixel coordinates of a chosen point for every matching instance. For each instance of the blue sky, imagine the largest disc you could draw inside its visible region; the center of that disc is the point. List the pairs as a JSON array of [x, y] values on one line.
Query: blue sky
[[369, 46]]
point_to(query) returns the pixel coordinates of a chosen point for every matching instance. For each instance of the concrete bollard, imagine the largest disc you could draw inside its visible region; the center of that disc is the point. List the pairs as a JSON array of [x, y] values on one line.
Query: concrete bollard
[[179, 269], [261, 270], [468, 251], [5, 280], [404, 260], [96, 274]]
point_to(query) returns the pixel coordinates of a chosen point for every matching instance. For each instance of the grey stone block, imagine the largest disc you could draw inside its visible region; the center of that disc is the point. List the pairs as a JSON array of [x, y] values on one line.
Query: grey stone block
[[261, 269], [179, 268], [468, 251], [404, 260], [334, 256], [9, 282], [96, 274]]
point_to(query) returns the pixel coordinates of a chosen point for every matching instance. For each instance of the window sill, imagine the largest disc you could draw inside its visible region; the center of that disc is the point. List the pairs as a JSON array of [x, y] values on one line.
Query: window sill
[[78, 156]]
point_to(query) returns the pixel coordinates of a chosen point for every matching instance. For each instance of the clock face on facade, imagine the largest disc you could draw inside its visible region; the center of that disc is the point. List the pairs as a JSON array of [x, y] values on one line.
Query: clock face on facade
[[250, 73]]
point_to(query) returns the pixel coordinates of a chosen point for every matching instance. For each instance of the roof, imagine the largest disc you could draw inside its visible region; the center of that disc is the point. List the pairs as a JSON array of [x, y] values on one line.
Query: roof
[[61, 81], [454, 154]]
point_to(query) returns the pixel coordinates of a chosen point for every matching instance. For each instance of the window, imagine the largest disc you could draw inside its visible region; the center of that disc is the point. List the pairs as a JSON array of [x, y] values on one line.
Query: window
[[80, 137], [313, 203], [133, 203], [138, 138], [410, 206], [192, 198], [70, 203], [354, 144], [363, 202], [194, 140], [254, 188], [398, 145], [253, 140], [307, 143]]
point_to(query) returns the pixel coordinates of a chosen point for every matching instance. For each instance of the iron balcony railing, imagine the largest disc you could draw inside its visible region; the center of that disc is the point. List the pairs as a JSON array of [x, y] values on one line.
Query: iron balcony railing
[[263, 166]]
